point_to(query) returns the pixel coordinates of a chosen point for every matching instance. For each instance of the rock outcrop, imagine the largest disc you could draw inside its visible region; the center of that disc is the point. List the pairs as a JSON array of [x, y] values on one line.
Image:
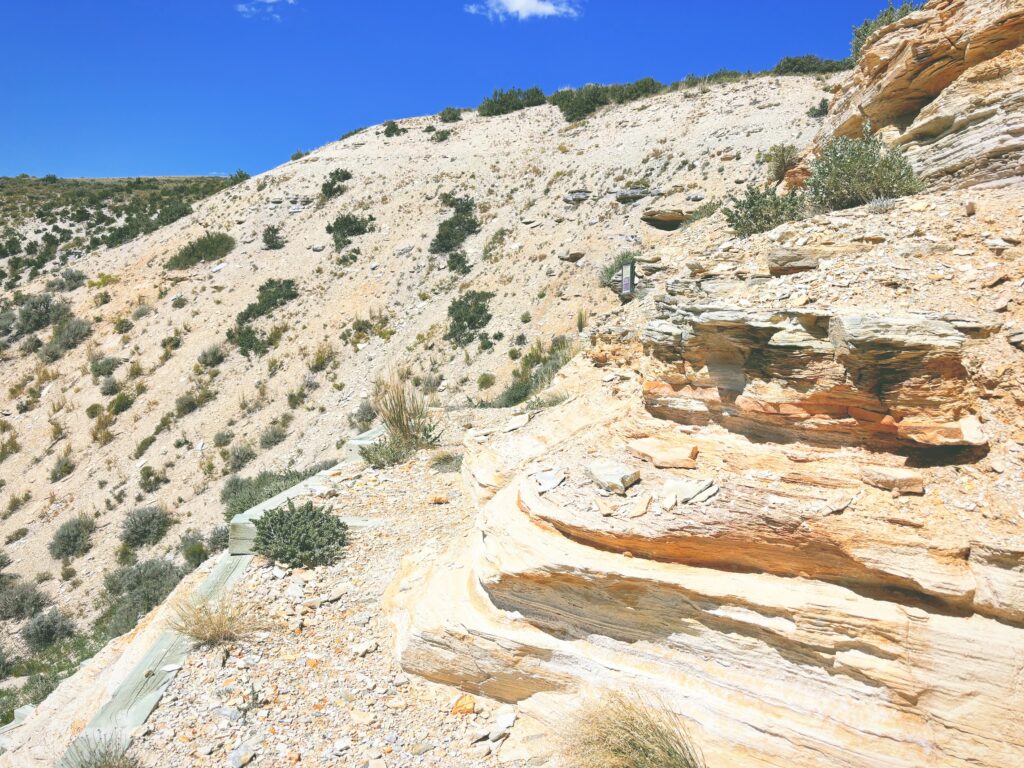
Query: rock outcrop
[[794, 612], [946, 84]]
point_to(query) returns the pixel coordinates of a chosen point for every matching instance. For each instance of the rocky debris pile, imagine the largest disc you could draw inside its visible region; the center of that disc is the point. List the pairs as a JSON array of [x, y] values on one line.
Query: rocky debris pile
[[319, 686]]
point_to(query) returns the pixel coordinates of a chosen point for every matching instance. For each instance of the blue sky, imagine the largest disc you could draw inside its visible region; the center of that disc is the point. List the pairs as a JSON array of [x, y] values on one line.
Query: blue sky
[[171, 87]]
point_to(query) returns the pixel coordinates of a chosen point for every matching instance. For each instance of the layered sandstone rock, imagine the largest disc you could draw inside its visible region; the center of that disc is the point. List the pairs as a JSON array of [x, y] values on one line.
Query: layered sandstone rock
[[792, 612], [945, 83]]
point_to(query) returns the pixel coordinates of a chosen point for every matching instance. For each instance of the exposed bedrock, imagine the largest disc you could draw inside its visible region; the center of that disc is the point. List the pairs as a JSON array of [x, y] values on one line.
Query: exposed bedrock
[[843, 379]]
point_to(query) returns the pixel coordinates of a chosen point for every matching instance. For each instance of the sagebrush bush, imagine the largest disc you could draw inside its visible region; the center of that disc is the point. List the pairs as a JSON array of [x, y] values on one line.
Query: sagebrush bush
[[781, 158], [67, 334], [485, 381], [39, 311], [20, 599], [270, 295], [453, 231], [818, 110], [622, 731], [272, 239], [239, 456], [73, 538], [62, 467], [273, 435], [450, 115], [131, 591], [103, 366], [210, 247], [145, 526], [760, 210], [346, 226], [335, 183], [211, 357], [853, 172], [46, 629], [466, 315], [578, 103], [503, 102], [889, 15], [193, 548], [304, 536], [218, 538], [362, 418]]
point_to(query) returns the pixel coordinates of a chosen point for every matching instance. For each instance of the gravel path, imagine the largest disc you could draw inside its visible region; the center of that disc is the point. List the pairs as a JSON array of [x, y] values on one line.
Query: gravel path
[[321, 686]]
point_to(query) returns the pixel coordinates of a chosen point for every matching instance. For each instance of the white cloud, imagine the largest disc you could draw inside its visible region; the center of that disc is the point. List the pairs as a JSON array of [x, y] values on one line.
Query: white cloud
[[263, 9], [523, 9]]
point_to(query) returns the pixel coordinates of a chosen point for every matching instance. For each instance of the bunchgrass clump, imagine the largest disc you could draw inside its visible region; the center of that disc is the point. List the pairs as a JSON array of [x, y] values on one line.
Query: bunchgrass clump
[[211, 623], [305, 536], [100, 750], [620, 731]]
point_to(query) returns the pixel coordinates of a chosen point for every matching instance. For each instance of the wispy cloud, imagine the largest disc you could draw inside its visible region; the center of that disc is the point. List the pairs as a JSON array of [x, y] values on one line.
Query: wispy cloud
[[263, 9], [523, 9]]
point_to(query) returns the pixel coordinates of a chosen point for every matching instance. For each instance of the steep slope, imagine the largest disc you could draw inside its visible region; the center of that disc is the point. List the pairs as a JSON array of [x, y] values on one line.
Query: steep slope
[[156, 443]]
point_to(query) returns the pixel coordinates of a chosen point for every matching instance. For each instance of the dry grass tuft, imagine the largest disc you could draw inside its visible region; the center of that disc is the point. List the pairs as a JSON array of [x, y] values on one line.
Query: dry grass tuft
[[621, 731], [404, 413], [100, 750], [213, 623]]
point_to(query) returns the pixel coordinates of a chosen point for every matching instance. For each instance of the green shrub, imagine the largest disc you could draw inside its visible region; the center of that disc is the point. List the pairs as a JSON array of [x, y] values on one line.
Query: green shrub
[[193, 548], [62, 467], [240, 494], [211, 357], [40, 311], [67, 334], [20, 599], [132, 591], [210, 247], [362, 418], [503, 102], [810, 65], [391, 128], [143, 446], [346, 226], [781, 158], [239, 456], [298, 155], [46, 629], [335, 184], [72, 539], [485, 381], [818, 110], [578, 103], [101, 367], [440, 136], [453, 231], [760, 210], [150, 479], [272, 239], [466, 315], [145, 526], [16, 535], [387, 452], [445, 461], [457, 263], [271, 295], [889, 15], [69, 280], [611, 270], [273, 435], [304, 536], [450, 115], [852, 172], [120, 403], [223, 439], [218, 538]]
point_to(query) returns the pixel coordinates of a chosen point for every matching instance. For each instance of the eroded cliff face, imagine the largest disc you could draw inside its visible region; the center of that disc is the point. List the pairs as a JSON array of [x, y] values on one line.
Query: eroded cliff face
[[786, 503], [945, 84]]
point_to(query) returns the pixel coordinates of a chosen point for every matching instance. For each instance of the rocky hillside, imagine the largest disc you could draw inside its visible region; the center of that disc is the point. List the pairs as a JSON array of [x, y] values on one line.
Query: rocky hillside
[[778, 488], [124, 391]]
